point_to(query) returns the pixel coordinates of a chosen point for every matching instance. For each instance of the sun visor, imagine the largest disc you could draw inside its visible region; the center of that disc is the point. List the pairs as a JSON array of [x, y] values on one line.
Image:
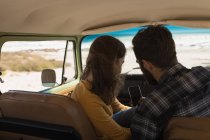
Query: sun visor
[[190, 23], [112, 28], [186, 23]]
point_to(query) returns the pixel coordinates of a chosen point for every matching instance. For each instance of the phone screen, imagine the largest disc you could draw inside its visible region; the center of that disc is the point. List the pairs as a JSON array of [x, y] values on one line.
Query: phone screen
[[135, 91], [135, 94]]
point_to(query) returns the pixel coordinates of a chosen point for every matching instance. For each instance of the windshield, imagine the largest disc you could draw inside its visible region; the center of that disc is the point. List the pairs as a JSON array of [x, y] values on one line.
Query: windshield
[[192, 46]]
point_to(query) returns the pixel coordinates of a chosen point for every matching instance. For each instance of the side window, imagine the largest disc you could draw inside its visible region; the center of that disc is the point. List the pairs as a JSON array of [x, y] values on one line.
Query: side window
[[23, 61]]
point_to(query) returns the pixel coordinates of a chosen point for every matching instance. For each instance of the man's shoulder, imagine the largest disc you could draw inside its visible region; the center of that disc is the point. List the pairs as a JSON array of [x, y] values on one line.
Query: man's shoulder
[[168, 93], [191, 78]]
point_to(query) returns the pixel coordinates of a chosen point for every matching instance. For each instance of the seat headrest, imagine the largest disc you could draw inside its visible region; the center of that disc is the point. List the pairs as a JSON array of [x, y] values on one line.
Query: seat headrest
[[49, 108], [188, 128]]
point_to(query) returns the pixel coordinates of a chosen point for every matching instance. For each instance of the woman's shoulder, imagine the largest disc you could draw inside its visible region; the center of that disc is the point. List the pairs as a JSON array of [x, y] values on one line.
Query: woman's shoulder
[[83, 92]]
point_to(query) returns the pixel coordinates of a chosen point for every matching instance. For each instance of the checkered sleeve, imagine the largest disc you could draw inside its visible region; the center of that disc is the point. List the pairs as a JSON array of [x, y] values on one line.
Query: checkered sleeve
[[148, 121], [145, 124]]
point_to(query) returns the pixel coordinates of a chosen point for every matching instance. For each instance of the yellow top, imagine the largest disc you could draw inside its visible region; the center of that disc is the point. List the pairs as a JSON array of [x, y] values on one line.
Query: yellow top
[[100, 114]]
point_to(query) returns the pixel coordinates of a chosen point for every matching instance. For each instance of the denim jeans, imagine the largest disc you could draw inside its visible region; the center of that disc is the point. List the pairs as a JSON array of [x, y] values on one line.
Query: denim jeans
[[124, 117]]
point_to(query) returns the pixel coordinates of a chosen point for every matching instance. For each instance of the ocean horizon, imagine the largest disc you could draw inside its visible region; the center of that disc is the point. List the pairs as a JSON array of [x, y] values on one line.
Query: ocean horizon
[[183, 36], [175, 30]]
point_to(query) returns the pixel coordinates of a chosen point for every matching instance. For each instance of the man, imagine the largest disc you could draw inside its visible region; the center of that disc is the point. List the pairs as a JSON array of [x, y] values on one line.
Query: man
[[179, 91]]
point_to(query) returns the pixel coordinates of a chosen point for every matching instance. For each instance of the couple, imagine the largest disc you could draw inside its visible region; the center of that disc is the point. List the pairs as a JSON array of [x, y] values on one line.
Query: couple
[[178, 92]]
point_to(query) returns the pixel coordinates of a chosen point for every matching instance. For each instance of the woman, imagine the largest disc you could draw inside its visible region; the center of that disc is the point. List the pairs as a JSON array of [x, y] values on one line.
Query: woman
[[100, 85]]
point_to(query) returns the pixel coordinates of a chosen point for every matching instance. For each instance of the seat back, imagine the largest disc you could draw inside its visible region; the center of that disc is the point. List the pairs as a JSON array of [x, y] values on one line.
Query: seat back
[[46, 108], [188, 128]]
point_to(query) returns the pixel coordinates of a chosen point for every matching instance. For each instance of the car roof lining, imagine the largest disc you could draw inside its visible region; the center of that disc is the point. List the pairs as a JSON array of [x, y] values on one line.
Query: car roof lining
[[76, 17]]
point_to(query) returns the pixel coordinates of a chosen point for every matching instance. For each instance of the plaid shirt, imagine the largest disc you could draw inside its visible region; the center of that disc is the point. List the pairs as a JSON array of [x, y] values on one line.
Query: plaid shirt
[[181, 92]]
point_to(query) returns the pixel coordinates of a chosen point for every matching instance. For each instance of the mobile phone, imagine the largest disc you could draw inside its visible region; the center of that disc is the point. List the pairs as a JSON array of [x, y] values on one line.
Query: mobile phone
[[135, 94]]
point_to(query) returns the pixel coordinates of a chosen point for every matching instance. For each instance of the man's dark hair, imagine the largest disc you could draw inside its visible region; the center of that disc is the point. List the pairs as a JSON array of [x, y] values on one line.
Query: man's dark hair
[[155, 44]]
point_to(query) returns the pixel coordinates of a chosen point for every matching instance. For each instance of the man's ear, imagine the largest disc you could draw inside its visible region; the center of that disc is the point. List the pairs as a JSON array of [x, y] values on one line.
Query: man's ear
[[147, 65]]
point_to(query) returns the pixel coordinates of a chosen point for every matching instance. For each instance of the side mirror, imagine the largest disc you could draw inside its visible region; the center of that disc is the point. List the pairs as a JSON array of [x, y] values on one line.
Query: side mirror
[[48, 78]]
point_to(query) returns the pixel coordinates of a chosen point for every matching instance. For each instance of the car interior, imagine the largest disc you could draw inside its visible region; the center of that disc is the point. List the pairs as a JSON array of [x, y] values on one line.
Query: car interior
[[51, 39]]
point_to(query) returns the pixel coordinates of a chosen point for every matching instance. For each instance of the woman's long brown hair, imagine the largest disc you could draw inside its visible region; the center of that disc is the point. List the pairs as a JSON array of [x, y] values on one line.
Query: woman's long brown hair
[[102, 55]]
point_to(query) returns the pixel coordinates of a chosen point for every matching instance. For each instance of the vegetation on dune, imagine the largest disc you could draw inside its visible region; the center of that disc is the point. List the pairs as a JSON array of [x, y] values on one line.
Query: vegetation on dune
[[24, 61]]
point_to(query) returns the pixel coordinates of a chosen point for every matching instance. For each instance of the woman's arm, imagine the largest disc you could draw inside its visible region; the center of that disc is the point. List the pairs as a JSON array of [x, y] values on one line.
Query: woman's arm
[[103, 121], [117, 106]]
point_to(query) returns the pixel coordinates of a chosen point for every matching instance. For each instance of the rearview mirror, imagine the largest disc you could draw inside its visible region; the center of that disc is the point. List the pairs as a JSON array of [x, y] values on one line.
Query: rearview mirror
[[48, 78]]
